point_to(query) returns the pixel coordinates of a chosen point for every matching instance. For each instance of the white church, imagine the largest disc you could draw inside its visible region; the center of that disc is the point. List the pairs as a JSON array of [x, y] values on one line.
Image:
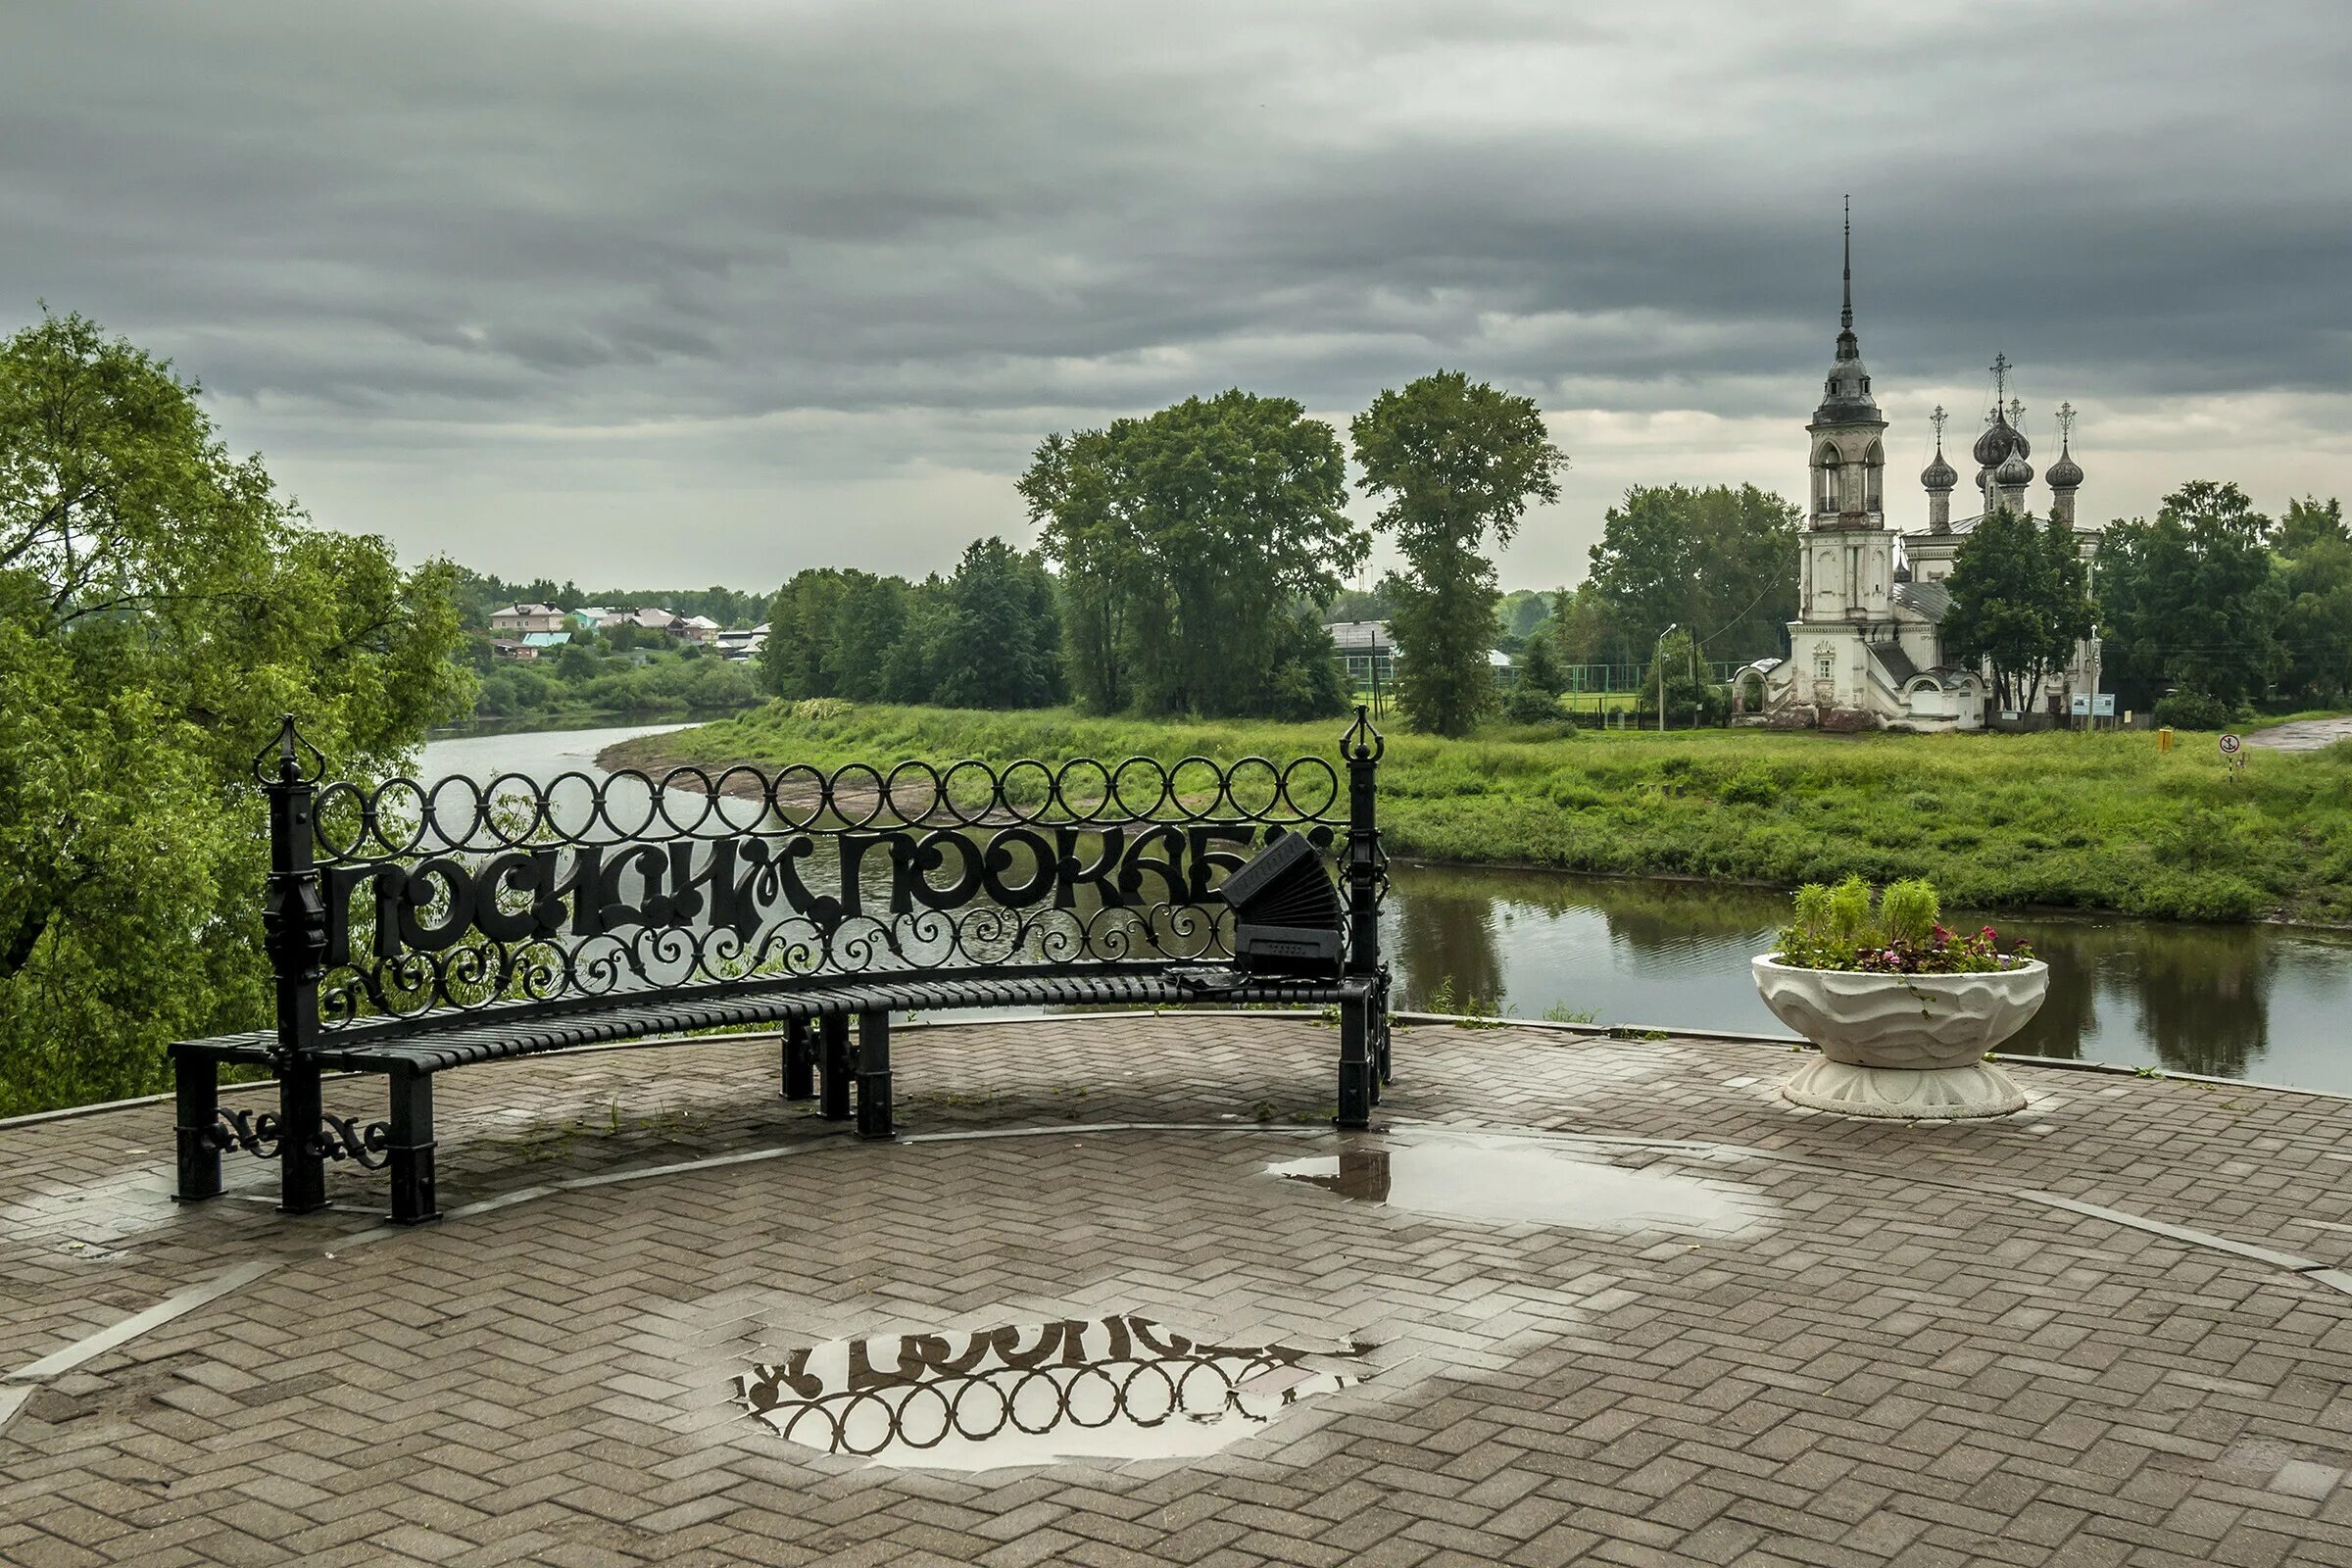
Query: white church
[[1865, 650]]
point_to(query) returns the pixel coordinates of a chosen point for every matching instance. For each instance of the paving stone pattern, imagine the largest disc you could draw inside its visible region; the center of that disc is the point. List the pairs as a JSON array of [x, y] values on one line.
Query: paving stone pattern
[[1901, 1359]]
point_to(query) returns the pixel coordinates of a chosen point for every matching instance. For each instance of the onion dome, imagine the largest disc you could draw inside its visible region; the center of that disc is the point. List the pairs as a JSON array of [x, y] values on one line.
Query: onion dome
[[1997, 443], [2066, 473], [2014, 474], [1939, 475]]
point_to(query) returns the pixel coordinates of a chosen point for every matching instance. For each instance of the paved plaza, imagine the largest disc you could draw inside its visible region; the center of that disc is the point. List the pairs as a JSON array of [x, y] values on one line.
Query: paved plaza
[[1574, 1299]]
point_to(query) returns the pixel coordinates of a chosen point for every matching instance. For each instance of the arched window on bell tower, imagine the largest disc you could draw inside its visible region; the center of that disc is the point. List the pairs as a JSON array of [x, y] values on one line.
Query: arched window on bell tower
[[1829, 495], [1874, 469]]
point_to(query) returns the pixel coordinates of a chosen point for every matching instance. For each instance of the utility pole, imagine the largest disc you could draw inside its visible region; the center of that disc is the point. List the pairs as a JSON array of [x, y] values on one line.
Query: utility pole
[[1658, 657]]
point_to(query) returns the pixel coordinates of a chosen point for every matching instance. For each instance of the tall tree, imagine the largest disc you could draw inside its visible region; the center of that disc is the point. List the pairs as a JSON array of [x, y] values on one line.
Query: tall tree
[[2019, 603], [1101, 552], [2190, 601], [998, 641], [2311, 521], [798, 659], [1185, 541], [2315, 573], [161, 604], [1458, 463], [869, 617], [1720, 560]]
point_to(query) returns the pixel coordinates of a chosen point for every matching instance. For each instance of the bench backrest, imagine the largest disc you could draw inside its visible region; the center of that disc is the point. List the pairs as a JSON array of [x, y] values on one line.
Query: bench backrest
[[400, 906]]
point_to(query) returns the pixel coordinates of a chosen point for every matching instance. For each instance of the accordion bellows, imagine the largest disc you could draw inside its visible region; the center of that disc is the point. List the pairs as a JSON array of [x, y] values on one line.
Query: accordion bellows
[[1286, 911]]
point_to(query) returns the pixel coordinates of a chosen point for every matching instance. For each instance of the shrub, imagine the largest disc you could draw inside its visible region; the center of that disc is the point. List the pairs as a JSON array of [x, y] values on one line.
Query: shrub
[[1531, 704], [2193, 711]]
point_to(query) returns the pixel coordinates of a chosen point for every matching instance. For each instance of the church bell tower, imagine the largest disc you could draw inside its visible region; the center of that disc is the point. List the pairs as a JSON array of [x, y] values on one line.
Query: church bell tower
[[1848, 568]]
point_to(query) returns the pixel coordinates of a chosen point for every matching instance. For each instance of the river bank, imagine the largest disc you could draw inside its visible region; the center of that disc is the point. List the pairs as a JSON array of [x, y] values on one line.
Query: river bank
[[2065, 821]]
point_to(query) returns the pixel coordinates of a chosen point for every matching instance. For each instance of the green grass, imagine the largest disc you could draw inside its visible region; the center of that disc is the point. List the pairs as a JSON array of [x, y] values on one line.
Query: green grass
[[2094, 821]]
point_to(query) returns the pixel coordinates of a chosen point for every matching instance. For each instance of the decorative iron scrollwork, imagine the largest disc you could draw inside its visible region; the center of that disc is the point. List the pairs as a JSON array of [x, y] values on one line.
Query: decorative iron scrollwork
[[259, 1133], [255, 1133], [341, 1138]]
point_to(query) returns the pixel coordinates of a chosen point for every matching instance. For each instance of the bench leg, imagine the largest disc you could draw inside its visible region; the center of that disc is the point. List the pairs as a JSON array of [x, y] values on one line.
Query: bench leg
[[196, 1086], [873, 1075], [408, 1150], [799, 1061], [1356, 1063], [833, 1094], [301, 1161]]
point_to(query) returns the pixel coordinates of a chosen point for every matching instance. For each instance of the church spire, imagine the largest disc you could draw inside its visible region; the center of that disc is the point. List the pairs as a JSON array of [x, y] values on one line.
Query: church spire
[[1845, 391], [1845, 317], [1849, 347]]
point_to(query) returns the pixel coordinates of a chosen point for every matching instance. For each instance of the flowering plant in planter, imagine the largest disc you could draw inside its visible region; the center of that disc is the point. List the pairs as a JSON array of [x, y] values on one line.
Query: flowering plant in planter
[[1903, 1009], [1838, 928]]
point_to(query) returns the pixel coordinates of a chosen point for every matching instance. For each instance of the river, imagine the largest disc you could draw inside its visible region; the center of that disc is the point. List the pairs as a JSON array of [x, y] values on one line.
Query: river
[[2262, 1002]]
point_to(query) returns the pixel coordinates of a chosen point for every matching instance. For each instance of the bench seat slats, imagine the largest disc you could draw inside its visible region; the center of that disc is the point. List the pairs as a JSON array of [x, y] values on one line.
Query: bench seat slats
[[466, 1040]]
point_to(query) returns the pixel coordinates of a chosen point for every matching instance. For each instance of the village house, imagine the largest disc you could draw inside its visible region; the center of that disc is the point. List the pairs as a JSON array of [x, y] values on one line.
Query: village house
[[515, 620]]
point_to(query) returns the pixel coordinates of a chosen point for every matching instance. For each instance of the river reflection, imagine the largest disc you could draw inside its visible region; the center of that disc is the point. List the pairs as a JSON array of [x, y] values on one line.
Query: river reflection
[[2254, 1002]]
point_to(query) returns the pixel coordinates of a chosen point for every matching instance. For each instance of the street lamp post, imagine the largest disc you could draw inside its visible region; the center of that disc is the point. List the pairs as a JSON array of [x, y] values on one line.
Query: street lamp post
[[1658, 657]]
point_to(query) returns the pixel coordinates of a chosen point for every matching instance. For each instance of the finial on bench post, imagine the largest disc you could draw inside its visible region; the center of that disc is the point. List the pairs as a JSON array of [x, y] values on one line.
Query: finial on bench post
[[294, 935]]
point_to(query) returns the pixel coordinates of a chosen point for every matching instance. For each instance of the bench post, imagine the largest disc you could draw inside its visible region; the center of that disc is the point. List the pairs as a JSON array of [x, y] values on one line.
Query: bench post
[[196, 1092], [873, 1075], [833, 1090], [409, 1147], [294, 934], [1356, 1060], [799, 1061], [1366, 874]]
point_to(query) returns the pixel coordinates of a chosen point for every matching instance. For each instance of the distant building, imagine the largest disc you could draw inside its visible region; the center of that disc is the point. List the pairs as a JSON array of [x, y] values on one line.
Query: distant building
[[588, 618], [738, 646], [695, 629], [1370, 656], [517, 619], [1866, 648], [519, 653], [650, 619], [546, 639], [1366, 650]]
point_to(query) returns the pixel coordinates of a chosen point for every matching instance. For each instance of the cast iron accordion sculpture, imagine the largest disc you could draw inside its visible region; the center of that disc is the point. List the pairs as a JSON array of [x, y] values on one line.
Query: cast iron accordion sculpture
[[1286, 911]]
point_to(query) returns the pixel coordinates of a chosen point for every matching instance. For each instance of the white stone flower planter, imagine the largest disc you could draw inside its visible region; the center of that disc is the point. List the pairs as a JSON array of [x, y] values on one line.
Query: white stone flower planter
[[1903, 1045]]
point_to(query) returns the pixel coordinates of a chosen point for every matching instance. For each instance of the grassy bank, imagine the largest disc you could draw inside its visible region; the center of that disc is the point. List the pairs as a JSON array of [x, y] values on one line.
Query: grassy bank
[[2100, 821]]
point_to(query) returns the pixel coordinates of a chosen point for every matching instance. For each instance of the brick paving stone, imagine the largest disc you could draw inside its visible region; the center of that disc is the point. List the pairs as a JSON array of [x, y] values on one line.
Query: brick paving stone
[[1898, 1357]]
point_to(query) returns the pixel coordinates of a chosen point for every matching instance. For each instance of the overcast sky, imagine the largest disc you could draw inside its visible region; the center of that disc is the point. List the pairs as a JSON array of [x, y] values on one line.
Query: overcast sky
[[683, 291]]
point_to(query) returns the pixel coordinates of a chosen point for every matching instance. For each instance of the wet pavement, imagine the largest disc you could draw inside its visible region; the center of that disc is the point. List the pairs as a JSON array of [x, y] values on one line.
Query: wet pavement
[[1122, 1298], [2303, 735], [1523, 1181]]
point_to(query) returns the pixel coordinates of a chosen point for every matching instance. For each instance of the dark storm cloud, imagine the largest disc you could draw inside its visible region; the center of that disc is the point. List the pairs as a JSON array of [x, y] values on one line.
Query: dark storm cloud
[[724, 288]]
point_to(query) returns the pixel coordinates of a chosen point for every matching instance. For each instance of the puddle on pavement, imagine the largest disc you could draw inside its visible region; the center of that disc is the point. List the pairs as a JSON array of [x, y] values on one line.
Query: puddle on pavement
[[1525, 1180], [1113, 1387]]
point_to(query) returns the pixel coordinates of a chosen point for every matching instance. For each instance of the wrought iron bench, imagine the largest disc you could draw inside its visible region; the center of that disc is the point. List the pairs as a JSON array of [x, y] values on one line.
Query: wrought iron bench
[[412, 930]]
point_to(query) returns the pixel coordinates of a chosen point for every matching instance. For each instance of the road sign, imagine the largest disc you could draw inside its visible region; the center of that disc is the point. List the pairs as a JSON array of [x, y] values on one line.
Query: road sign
[[2230, 745]]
